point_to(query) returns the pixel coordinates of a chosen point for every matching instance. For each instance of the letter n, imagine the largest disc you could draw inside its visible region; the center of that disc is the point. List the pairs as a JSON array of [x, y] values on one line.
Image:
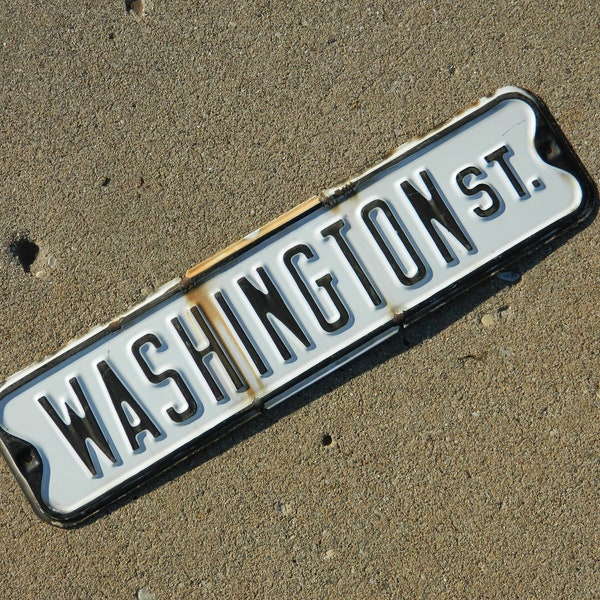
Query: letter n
[[434, 209]]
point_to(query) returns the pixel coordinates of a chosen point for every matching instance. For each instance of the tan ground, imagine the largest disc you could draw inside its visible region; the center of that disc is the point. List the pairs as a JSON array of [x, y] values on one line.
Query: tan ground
[[132, 147]]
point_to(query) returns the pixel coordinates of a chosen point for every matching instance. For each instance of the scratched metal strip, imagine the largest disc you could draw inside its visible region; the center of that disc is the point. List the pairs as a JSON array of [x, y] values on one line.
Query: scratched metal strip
[[340, 273]]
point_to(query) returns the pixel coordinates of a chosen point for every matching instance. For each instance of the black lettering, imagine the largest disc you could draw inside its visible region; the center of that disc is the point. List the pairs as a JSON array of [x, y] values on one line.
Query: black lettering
[[434, 208], [324, 282], [120, 395], [477, 189], [499, 157], [214, 347], [335, 231], [272, 303], [157, 378], [366, 213], [239, 329], [79, 429]]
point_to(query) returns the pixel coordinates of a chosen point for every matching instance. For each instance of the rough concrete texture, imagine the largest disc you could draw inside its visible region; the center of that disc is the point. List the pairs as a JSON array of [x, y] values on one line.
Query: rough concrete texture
[[462, 464]]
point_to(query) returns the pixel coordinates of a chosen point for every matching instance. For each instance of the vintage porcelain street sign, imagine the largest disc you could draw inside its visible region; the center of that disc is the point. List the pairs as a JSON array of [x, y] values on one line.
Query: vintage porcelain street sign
[[288, 304]]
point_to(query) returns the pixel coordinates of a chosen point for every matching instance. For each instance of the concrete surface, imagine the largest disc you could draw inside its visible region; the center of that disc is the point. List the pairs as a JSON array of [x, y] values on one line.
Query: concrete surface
[[464, 463]]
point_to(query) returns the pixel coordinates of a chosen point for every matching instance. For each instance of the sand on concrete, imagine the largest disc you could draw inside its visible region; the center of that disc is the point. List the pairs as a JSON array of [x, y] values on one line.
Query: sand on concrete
[[463, 463]]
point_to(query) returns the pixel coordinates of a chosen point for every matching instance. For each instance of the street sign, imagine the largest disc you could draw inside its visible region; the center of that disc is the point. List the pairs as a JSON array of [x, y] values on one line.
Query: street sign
[[288, 304]]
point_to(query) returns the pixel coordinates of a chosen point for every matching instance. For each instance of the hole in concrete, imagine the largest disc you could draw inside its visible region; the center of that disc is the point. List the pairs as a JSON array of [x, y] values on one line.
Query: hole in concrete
[[25, 251], [326, 440]]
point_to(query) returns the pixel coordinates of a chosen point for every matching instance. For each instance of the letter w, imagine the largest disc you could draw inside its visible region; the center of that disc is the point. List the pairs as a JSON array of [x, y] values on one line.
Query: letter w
[[79, 429]]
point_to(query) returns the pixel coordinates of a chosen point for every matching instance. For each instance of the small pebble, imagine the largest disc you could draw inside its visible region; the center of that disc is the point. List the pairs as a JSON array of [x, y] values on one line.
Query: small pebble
[[509, 276], [144, 594], [285, 508], [137, 6], [487, 320]]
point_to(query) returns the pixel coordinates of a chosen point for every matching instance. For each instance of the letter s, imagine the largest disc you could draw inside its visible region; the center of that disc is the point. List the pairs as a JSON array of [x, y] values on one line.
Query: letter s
[[479, 188]]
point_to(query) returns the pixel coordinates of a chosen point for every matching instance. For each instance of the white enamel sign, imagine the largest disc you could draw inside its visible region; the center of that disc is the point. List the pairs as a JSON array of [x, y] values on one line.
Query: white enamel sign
[[288, 304]]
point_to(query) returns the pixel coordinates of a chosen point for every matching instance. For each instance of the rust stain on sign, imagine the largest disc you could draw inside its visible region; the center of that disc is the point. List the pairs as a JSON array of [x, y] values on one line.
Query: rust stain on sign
[[200, 296]]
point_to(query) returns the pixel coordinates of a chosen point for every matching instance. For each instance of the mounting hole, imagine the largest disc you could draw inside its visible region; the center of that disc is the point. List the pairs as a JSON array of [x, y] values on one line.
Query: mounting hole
[[550, 151], [25, 251], [27, 460], [326, 440]]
